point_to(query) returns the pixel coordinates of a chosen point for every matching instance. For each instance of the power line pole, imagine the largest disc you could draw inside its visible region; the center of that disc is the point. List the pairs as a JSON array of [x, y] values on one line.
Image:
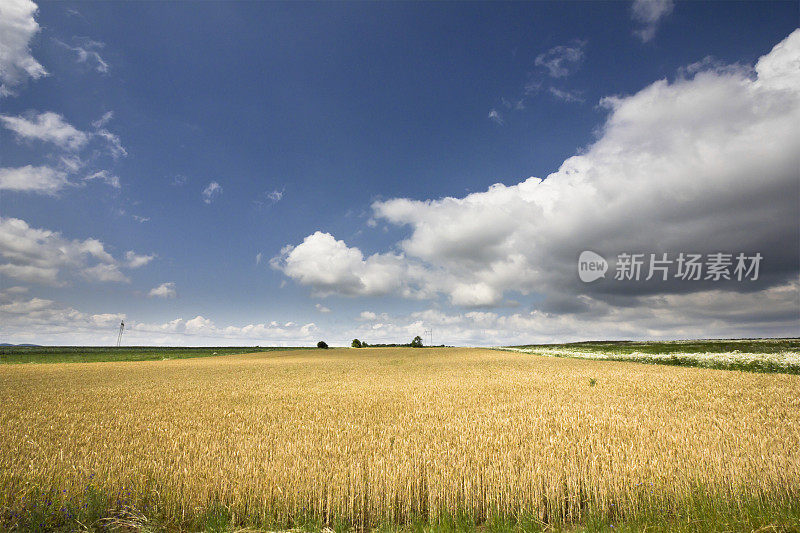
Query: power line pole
[[429, 333], [121, 329]]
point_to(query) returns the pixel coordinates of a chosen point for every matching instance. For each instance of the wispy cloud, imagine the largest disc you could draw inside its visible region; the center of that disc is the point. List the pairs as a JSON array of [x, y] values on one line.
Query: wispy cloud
[[211, 192], [71, 163], [561, 61], [649, 13], [115, 147], [269, 197], [41, 179], [517, 104], [558, 62], [322, 309], [102, 121], [104, 176], [87, 52], [50, 127], [495, 116], [47, 127], [567, 96], [72, 12]]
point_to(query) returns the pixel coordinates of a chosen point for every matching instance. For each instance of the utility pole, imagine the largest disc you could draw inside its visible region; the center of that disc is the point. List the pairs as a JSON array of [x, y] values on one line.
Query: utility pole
[[429, 333], [121, 329]]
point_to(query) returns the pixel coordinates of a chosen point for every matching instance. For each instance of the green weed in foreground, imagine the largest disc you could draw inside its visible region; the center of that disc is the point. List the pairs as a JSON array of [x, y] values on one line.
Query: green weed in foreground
[[93, 510]]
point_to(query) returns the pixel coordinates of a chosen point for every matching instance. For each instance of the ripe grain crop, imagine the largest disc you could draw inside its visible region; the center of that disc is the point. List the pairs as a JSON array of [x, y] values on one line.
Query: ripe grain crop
[[389, 436]]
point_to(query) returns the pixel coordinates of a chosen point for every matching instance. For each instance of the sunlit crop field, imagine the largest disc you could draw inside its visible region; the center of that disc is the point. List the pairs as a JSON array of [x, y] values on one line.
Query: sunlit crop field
[[369, 437]]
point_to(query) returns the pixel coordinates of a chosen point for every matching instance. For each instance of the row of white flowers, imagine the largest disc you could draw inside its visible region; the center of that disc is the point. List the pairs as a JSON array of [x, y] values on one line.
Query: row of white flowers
[[785, 359]]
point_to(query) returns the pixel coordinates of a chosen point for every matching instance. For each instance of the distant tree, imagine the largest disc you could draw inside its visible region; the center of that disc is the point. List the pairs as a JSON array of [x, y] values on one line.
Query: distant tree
[[364, 344], [417, 342], [322, 344], [356, 343]]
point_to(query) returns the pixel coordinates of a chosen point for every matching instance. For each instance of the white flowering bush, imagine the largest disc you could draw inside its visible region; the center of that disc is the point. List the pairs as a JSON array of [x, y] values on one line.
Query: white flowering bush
[[771, 361]]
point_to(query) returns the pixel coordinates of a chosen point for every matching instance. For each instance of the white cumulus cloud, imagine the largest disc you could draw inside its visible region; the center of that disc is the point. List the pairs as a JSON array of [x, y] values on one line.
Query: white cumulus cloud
[[700, 164], [42, 256], [165, 290], [330, 266], [18, 27], [134, 260], [105, 272]]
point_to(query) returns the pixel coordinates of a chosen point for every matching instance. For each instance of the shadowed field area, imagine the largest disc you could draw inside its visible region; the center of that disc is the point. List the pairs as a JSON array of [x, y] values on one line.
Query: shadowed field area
[[397, 437]]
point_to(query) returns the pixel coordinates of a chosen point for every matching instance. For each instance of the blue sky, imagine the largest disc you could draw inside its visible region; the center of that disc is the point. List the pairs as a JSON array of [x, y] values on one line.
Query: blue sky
[[339, 144]]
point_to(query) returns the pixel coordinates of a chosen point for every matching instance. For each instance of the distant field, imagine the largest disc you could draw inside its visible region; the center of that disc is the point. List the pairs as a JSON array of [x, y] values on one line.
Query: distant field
[[754, 355], [441, 439], [94, 354]]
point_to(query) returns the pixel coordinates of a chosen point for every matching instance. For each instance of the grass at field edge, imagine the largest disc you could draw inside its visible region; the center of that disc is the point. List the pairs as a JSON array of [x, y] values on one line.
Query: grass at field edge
[[93, 354], [96, 511]]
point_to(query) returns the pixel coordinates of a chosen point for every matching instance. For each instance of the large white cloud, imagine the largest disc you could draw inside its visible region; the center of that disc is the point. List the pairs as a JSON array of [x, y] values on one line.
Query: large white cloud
[[330, 266], [42, 256], [17, 28], [699, 164]]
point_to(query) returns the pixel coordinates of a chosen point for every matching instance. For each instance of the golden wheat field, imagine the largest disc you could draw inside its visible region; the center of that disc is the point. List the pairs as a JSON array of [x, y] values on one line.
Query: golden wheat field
[[387, 435]]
